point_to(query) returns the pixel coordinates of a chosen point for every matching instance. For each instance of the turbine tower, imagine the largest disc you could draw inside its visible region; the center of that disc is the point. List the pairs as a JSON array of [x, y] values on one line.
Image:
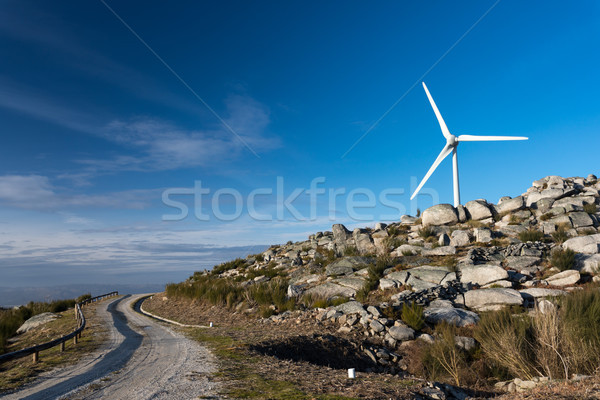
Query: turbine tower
[[450, 147]]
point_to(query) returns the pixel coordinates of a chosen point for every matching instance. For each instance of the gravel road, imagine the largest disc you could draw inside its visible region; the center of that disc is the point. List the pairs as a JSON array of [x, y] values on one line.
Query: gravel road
[[142, 359]]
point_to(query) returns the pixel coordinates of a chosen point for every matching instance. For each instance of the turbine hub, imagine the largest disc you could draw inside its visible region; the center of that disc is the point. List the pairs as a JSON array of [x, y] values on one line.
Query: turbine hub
[[452, 141]]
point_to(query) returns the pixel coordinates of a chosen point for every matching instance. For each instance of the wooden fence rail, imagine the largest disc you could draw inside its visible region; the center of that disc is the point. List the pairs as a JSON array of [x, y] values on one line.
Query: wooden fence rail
[[76, 334]]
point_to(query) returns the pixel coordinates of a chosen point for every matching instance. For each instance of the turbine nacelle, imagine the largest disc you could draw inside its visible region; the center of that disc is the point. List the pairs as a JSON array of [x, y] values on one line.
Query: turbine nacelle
[[452, 142]]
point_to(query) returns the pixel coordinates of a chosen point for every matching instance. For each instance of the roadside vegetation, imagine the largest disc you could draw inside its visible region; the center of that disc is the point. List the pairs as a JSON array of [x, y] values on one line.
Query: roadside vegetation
[[16, 373], [11, 319]]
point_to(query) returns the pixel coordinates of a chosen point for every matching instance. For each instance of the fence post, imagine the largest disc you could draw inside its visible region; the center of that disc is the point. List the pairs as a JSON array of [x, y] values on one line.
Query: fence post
[[36, 357], [75, 339], [62, 346]]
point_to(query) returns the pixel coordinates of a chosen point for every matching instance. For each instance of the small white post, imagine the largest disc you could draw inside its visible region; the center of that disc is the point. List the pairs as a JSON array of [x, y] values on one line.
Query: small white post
[[351, 373], [210, 325]]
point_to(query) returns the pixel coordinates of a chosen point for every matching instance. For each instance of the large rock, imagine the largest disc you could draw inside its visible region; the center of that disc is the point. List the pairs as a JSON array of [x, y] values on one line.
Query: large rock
[[459, 238], [352, 307], [406, 250], [478, 209], [418, 284], [353, 282], [364, 242], [341, 236], [588, 263], [492, 299], [541, 292], [454, 316], [439, 251], [482, 274], [330, 289], [37, 320], [441, 214], [402, 333], [565, 278], [346, 265], [483, 235], [399, 276], [581, 219], [437, 275], [510, 205], [584, 244], [520, 262]]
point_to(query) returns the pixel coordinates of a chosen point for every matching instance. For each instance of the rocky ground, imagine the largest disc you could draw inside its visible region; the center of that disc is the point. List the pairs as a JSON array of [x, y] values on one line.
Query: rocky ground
[[453, 263]]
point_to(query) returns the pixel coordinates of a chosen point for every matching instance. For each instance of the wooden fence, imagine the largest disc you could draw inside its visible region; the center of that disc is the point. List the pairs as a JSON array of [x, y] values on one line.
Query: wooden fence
[[75, 335]]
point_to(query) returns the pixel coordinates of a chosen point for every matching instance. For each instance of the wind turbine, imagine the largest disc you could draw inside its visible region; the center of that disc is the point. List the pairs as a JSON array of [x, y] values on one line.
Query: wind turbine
[[450, 147]]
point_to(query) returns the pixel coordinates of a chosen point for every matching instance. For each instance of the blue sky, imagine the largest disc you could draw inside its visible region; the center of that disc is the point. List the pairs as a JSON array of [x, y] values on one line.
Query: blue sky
[[95, 127]]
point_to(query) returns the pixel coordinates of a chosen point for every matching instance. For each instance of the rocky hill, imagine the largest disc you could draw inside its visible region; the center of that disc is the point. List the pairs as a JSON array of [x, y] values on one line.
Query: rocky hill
[[395, 285]]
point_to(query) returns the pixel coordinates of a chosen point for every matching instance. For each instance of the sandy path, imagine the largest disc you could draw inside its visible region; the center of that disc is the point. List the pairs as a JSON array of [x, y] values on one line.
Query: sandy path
[[142, 359]]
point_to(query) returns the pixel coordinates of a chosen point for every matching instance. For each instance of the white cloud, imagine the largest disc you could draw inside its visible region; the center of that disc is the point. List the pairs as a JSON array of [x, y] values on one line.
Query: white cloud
[[164, 146], [150, 143], [19, 189], [37, 193]]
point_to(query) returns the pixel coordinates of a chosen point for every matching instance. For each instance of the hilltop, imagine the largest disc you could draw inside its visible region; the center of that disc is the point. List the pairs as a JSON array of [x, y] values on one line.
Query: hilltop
[[497, 297]]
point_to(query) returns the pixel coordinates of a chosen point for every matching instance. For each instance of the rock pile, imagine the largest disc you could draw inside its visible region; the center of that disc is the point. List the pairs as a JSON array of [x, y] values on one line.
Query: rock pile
[[453, 261]]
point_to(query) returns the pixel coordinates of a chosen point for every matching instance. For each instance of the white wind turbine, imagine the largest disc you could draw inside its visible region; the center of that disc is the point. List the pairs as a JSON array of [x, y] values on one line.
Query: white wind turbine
[[451, 145]]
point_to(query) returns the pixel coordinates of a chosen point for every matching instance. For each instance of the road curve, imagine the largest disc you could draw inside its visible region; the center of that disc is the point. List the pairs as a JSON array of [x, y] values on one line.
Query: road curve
[[142, 359]]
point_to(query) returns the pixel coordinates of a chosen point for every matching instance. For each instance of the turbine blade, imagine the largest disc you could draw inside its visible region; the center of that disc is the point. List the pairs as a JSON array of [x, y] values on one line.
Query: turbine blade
[[445, 130], [474, 138], [443, 154]]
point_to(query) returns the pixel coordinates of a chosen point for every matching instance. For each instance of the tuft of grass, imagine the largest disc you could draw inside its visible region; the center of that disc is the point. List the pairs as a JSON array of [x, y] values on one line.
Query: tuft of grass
[[505, 339], [351, 251], [563, 259], [591, 208], [580, 321], [426, 233], [546, 217], [311, 301], [11, 320], [446, 353], [560, 234], [237, 263], [531, 235], [375, 272], [412, 315], [514, 220]]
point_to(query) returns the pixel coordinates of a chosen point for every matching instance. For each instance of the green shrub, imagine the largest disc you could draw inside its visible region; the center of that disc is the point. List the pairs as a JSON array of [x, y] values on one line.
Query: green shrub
[[351, 251], [514, 220], [11, 320], [311, 301], [426, 232], [506, 340], [83, 297], [412, 315], [375, 272], [546, 217], [590, 208], [328, 255], [531, 235], [563, 259], [580, 317], [446, 353], [237, 263], [560, 235]]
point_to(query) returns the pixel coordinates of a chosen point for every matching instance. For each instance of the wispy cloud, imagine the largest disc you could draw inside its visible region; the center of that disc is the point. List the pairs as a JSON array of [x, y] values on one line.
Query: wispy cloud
[[35, 192], [149, 143]]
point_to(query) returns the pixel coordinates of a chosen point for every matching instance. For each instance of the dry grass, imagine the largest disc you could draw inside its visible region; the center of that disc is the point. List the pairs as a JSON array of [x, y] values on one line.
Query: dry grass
[[247, 373]]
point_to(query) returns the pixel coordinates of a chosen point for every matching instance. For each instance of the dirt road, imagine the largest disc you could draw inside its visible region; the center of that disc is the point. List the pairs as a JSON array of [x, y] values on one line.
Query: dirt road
[[142, 359]]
